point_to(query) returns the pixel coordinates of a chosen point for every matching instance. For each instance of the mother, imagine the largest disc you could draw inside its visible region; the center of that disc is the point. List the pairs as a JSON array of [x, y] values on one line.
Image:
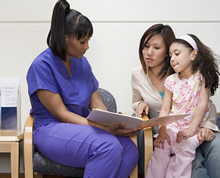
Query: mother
[[148, 89]]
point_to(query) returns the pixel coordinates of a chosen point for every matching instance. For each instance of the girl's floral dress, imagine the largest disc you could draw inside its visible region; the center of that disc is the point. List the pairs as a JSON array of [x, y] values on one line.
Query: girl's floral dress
[[185, 96]]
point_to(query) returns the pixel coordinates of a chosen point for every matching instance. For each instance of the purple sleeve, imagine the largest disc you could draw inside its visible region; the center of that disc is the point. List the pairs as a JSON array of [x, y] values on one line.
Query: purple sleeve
[[40, 76]]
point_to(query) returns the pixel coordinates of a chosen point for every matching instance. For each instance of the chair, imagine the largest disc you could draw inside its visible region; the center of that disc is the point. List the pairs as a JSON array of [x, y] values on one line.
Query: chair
[[148, 145], [34, 162], [218, 120]]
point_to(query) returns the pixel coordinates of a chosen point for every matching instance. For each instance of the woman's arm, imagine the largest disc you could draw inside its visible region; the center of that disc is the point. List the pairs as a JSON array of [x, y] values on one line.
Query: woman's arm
[[138, 103], [205, 132]]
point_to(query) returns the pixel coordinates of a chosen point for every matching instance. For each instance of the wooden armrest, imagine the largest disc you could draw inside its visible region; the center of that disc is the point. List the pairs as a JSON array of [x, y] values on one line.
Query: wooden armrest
[[28, 147], [148, 145]]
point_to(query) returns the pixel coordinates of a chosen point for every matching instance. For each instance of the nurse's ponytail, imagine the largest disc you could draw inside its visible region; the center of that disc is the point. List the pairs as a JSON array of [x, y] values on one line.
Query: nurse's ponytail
[[66, 22], [56, 36]]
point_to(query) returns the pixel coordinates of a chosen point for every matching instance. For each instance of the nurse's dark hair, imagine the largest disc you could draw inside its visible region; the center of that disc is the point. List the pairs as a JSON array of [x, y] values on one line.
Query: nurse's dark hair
[[168, 36], [69, 22]]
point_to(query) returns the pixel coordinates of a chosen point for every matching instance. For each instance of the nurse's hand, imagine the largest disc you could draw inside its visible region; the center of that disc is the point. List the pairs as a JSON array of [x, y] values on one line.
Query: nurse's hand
[[119, 130], [142, 107]]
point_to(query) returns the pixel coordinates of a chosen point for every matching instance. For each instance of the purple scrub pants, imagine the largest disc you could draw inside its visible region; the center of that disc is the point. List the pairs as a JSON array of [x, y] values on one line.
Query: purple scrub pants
[[102, 154]]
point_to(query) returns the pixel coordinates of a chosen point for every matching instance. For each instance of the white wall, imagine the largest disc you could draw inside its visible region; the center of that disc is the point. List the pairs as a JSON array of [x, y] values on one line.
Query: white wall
[[118, 27]]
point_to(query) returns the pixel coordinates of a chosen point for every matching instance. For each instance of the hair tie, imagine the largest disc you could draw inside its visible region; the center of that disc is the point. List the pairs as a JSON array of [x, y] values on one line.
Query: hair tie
[[189, 40]]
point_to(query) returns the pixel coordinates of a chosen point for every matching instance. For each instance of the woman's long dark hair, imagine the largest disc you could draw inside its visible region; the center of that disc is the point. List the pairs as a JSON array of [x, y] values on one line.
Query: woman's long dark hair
[[168, 36], [69, 22], [205, 61]]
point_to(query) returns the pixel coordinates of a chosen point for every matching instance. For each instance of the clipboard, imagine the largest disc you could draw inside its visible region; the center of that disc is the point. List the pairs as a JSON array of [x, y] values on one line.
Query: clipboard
[[130, 122]]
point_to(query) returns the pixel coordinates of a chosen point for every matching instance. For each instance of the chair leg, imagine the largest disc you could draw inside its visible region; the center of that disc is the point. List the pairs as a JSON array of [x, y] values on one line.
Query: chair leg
[[134, 173], [148, 147], [38, 175]]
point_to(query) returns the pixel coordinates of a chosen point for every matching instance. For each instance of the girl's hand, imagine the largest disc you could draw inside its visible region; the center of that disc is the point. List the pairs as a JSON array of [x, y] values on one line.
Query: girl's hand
[[205, 134], [142, 107], [119, 130], [184, 134], [159, 142]]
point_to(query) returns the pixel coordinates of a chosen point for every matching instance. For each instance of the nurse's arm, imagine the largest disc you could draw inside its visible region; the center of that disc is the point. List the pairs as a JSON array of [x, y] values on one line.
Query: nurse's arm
[[96, 102], [54, 104]]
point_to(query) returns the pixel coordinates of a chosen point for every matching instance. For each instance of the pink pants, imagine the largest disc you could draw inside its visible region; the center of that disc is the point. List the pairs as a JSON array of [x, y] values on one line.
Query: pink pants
[[162, 165]]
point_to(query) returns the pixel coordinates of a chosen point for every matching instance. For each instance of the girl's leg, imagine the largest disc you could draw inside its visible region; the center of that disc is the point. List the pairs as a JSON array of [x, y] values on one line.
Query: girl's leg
[[94, 149], [180, 164], [157, 165]]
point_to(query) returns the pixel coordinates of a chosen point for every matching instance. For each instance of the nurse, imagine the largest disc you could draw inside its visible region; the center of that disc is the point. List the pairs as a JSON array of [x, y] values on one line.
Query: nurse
[[62, 89]]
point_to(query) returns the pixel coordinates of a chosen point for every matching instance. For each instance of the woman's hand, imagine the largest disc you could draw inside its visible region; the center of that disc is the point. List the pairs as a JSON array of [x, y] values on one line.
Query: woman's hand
[[142, 107], [205, 134], [159, 142], [119, 130]]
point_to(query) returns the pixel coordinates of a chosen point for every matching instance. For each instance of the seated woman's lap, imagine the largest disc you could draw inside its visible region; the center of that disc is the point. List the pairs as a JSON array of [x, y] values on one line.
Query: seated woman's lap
[[207, 161]]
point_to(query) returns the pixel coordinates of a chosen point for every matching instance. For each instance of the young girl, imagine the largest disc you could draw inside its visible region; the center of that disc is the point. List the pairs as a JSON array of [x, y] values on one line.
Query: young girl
[[186, 92]]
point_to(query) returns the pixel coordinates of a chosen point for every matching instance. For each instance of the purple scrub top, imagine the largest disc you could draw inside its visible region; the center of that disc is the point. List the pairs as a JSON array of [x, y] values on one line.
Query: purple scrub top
[[48, 72]]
